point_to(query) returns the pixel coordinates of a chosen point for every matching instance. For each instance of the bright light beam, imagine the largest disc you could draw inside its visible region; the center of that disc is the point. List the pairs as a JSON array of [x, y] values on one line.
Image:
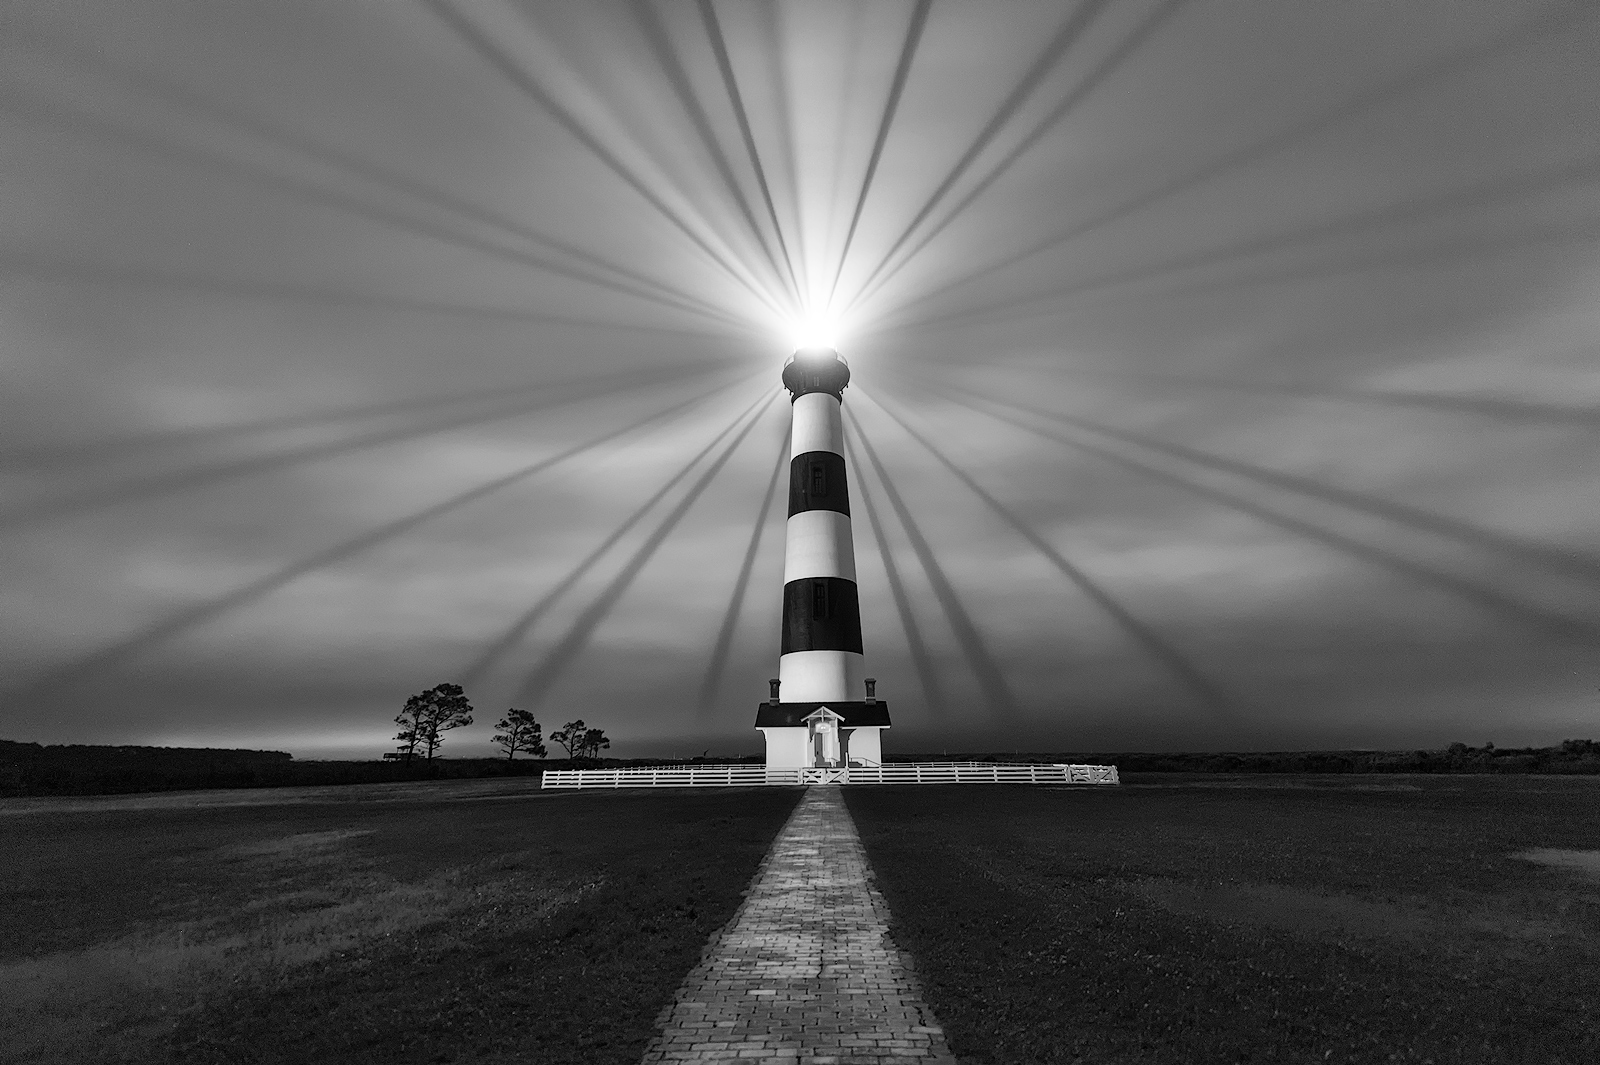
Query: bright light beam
[[813, 330]]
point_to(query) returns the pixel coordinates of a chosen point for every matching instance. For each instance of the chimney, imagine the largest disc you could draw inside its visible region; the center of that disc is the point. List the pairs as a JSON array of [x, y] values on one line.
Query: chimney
[[872, 690], [774, 683]]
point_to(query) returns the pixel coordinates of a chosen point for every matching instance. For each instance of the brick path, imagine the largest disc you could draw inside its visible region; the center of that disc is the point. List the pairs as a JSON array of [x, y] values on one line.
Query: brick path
[[805, 972]]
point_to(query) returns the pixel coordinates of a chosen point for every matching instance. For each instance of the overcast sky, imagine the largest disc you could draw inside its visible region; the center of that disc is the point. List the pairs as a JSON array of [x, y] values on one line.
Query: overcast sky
[[1237, 365]]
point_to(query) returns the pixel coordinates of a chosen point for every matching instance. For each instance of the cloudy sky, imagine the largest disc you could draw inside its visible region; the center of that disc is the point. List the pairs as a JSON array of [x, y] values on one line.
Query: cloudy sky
[[1227, 373]]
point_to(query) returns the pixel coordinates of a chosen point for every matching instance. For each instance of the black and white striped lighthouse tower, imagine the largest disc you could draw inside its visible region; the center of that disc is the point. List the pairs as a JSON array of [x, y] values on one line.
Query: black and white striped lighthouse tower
[[823, 710]]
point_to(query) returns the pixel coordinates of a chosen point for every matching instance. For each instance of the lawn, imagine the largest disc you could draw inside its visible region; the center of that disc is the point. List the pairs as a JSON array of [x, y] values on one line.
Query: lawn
[[456, 921], [1366, 919], [1173, 919]]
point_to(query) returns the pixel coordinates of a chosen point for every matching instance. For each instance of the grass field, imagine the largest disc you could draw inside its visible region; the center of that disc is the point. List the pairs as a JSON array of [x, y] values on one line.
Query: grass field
[[1173, 919], [1211, 919], [455, 921]]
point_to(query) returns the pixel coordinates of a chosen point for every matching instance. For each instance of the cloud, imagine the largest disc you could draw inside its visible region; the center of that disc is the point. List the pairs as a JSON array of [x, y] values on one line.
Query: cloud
[[285, 287]]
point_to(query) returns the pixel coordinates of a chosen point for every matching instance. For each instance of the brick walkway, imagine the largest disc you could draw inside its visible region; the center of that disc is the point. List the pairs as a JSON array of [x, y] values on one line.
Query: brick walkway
[[804, 972]]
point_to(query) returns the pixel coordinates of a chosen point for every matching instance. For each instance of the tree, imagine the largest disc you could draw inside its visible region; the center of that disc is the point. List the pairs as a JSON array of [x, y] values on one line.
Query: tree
[[571, 736], [593, 740], [520, 732], [410, 734], [406, 738], [430, 713]]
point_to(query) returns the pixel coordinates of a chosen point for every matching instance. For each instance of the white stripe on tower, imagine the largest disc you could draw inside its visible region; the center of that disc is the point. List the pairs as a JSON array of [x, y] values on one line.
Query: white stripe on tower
[[822, 659]]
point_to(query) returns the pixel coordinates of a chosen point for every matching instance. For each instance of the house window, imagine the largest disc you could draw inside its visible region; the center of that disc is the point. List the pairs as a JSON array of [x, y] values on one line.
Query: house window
[[819, 599], [819, 479]]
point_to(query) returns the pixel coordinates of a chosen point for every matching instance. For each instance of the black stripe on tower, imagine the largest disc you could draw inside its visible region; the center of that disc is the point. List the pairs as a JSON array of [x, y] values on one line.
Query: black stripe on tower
[[816, 482], [821, 614]]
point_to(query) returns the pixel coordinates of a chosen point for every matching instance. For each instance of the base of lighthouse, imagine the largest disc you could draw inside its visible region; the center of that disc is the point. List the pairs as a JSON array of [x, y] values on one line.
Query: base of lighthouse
[[823, 734]]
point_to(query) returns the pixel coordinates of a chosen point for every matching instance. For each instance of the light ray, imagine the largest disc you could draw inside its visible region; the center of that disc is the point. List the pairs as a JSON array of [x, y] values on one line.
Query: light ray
[[1070, 33], [353, 165], [1581, 631], [78, 121], [730, 616], [992, 680], [719, 48], [1572, 563], [155, 485], [515, 632], [1196, 683], [656, 34], [921, 659], [1081, 91], [1575, 173], [85, 666], [513, 72], [908, 51], [1377, 96], [537, 684]]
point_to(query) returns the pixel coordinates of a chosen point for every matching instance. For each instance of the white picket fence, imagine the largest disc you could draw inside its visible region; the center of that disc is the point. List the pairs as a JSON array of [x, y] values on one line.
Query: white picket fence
[[723, 776]]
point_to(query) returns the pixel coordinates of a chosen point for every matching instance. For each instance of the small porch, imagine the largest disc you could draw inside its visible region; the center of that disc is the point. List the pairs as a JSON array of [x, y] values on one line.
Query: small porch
[[835, 735]]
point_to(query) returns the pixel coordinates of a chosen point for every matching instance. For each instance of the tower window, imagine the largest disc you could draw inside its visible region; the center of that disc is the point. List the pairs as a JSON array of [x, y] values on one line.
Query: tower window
[[819, 599], [819, 479]]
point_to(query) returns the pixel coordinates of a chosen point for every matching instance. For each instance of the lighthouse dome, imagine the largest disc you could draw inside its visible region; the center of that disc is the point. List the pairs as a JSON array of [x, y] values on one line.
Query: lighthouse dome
[[816, 370]]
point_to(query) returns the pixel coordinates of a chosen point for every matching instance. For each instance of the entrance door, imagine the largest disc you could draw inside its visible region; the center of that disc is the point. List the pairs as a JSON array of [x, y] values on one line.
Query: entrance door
[[825, 746]]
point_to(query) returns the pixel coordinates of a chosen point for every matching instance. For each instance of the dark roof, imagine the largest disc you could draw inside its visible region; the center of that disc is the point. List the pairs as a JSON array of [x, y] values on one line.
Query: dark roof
[[794, 714], [815, 370]]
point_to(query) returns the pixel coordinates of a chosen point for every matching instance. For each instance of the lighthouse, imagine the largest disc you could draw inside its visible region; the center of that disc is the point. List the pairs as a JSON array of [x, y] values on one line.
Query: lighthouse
[[822, 710]]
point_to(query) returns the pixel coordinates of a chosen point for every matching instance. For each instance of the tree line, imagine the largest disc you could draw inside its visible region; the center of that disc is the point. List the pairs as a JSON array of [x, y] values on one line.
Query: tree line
[[428, 715]]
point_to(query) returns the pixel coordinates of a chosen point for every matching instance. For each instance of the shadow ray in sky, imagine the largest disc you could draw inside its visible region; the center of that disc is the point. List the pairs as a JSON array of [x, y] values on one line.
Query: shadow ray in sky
[[79, 120], [1559, 13], [719, 48], [1570, 562], [1419, 158], [1071, 31], [354, 166], [667, 58], [1091, 81], [1501, 407], [518, 629], [538, 682], [1470, 249], [730, 617], [784, 141], [491, 52], [148, 487], [1195, 682], [996, 692], [1378, 220], [184, 620], [51, 269], [1480, 595], [1455, 250], [921, 660], [902, 68], [122, 447], [1504, 408]]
